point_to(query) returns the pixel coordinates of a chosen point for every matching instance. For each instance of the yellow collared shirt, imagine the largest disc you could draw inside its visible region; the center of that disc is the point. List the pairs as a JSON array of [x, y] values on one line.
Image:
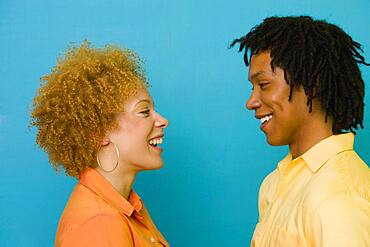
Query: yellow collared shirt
[[321, 198]]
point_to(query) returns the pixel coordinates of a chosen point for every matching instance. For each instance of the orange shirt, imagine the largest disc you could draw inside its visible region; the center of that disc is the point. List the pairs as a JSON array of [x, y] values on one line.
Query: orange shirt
[[97, 215]]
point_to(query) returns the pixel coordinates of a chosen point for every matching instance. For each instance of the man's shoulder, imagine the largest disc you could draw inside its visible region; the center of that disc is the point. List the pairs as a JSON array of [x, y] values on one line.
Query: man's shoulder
[[345, 172], [349, 162], [345, 175], [271, 180]]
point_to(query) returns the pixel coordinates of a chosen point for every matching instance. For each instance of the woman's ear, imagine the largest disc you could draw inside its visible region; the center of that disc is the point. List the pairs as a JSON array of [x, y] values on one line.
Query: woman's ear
[[105, 141]]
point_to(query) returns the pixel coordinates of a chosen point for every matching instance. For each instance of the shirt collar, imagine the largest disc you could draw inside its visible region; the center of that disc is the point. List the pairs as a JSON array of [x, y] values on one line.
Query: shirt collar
[[286, 164], [91, 179], [317, 155]]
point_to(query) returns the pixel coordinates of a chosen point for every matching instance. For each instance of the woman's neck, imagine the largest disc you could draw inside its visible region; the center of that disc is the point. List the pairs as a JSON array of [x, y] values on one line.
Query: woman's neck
[[122, 181]]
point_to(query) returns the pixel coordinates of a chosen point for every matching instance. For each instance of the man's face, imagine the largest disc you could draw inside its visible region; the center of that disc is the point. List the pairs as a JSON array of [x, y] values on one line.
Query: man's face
[[284, 122]]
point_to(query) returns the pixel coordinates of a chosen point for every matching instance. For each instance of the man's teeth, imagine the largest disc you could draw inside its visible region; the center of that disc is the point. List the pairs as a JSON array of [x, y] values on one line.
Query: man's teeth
[[156, 141], [265, 119]]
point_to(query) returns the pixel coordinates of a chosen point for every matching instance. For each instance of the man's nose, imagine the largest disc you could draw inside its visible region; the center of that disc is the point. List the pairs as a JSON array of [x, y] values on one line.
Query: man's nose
[[253, 102]]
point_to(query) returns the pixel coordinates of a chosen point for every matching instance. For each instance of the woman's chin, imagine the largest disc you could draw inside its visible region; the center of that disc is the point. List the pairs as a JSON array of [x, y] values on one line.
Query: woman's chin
[[152, 165]]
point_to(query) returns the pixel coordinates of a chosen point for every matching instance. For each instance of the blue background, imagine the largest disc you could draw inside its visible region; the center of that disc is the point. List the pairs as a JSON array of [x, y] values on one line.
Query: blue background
[[215, 156]]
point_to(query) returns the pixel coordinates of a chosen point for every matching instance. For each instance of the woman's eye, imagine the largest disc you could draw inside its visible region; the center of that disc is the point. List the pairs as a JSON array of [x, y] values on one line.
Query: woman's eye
[[145, 112]]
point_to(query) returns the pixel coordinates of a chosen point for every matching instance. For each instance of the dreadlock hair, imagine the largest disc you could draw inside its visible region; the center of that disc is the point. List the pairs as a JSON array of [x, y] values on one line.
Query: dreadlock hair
[[317, 55]]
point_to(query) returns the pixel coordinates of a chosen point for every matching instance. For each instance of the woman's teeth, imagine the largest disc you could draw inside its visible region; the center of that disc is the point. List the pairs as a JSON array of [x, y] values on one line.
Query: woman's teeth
[[156, 141], [265, 119]]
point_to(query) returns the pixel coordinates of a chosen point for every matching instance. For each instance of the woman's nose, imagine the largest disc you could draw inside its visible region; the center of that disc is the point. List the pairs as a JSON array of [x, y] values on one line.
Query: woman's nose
[[161, 122]]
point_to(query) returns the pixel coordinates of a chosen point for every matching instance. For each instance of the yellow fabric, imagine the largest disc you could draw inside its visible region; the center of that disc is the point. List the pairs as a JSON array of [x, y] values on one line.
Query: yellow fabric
[[321, 198]]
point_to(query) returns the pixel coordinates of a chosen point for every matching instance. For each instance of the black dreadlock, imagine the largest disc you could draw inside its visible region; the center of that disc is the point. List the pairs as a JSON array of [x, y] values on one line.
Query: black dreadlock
[[317, 55]]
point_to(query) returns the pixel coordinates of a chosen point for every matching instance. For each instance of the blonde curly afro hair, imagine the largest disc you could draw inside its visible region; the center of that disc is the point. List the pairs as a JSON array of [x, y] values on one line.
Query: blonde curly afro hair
[[78, 101]]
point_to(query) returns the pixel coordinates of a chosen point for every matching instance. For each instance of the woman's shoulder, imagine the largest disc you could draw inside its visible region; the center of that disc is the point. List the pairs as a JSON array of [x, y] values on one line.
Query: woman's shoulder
[[85, 205], [94, 230], [86, 215], [86, 200]]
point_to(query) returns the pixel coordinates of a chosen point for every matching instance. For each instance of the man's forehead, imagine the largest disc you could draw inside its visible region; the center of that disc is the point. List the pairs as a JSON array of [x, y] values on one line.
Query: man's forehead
[[260, 65], [260, 70], [259, 74], [260, 59]]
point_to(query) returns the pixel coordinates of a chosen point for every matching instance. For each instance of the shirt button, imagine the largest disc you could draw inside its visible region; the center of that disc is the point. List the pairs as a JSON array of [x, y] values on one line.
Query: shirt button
[[152, 240], [280, 200]]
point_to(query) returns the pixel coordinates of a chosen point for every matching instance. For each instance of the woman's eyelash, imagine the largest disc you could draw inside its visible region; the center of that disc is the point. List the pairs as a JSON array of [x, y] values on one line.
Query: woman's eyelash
[[145, 112]]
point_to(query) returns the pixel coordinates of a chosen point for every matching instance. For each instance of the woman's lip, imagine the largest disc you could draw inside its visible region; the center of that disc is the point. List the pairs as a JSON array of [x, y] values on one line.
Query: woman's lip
[[157, 137], [157, 148]]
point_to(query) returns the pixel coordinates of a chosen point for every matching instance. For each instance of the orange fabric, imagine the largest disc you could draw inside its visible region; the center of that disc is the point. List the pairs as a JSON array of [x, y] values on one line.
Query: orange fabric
[[97, 215]]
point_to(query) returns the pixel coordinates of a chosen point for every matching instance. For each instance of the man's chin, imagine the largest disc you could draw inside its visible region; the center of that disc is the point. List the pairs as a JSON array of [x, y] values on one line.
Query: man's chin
[[274, 141]]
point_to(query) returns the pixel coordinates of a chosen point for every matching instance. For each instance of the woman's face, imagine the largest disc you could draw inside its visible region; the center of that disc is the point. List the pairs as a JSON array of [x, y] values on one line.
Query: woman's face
[[139, 133]]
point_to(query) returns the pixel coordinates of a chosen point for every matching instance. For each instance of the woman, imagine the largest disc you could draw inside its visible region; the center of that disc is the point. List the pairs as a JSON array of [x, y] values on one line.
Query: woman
[[96, 120]]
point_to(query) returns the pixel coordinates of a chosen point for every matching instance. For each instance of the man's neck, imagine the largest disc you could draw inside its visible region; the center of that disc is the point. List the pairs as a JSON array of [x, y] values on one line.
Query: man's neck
[[317, 131]]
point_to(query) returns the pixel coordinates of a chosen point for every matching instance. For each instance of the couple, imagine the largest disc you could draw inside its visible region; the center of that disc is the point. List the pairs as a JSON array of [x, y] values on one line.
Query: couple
[[96, 119]]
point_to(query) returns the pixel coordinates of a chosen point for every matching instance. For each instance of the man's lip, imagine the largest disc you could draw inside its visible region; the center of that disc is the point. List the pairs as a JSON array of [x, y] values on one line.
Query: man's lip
[[259, 116], [263, 125]]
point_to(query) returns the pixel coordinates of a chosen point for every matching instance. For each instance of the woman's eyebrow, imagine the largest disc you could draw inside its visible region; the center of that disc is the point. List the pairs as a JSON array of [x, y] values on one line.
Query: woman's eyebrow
[[143, 101]]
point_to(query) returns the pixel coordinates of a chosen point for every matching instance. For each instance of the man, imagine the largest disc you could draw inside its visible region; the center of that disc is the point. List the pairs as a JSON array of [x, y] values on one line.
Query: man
[[308, 93]]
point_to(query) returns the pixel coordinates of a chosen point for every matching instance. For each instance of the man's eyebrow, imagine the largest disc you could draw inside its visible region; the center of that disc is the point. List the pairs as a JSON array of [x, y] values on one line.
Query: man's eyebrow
[[258, 74]]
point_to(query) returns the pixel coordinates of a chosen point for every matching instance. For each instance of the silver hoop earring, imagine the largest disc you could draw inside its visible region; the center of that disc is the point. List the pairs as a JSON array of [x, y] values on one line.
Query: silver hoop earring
[[115, 166]]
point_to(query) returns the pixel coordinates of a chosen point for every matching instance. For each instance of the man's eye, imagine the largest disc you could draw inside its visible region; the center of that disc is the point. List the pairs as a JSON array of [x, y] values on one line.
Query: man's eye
[[263, 85]]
